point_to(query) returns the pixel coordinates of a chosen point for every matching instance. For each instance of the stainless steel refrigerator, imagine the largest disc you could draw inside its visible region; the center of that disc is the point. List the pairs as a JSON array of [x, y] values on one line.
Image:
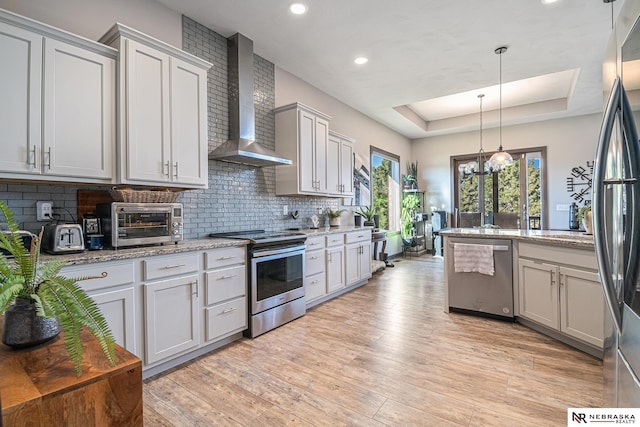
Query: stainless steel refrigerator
[[616, 210]]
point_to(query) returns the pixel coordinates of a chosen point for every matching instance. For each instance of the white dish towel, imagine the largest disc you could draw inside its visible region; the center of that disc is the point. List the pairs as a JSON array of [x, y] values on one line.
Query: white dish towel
[[468, 258]]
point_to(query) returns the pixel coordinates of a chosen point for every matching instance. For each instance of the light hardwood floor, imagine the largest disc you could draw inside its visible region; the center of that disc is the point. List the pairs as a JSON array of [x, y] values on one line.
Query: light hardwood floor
[[383, 355]]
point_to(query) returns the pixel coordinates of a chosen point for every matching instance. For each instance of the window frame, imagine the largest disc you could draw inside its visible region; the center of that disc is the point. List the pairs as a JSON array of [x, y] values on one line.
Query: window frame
[[520, 152], [392, 157]]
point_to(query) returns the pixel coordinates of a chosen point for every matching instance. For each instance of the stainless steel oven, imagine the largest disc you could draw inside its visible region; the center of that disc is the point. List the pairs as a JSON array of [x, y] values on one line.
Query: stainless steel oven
[[277, 286], [276, 278]]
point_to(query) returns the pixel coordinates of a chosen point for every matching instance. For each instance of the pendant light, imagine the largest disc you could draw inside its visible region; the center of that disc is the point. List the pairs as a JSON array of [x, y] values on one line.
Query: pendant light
[[501, 158], [478, 167]]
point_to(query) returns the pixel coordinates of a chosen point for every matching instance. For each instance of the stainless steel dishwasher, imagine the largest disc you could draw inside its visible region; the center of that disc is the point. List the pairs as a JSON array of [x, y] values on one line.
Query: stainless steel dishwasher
[[481, 293]]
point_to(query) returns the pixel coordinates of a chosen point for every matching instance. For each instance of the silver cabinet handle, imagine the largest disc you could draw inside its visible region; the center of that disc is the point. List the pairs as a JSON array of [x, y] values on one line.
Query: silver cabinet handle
[[314, 257], [227, 277], [315, 282], [228, 310], [561, 279], [175, 166], [168, 166], [48, 165], [34, 157], [196, 287], [167, 267], [224, 258], [553, 277]]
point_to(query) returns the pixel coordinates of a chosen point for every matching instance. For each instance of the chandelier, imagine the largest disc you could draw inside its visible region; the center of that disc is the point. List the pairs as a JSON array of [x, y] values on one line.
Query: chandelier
[[501, 158], [480, 165]]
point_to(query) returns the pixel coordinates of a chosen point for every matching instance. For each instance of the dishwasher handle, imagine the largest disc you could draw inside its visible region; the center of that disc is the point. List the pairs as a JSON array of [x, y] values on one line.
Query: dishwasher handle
[[495, 247]]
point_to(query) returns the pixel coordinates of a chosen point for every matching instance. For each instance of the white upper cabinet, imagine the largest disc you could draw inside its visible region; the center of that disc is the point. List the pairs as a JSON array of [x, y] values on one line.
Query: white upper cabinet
[[302, 134], [340, 165], [163, 112], [57, 110]]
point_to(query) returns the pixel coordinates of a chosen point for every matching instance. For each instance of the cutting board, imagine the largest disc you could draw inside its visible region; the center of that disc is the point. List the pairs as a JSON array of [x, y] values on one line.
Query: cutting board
[[88, 199]]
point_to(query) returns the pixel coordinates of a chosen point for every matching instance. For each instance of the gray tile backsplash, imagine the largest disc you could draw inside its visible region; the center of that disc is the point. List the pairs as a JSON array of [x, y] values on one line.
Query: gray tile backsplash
[[239, 197]]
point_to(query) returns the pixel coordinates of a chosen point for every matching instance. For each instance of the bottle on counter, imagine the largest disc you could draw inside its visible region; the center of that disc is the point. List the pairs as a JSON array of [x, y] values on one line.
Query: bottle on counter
[[573, 217]]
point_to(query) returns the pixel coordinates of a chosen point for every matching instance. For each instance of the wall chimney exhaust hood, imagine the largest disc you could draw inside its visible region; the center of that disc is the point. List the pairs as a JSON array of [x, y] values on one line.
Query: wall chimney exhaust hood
[[242, 146]]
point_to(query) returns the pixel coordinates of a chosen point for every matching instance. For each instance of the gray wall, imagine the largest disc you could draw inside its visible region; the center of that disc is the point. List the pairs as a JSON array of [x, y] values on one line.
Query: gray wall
[[238, 198]]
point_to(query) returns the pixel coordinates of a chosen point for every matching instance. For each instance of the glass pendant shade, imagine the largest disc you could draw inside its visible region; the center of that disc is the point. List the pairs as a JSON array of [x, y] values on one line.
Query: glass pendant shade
[[499, 161]]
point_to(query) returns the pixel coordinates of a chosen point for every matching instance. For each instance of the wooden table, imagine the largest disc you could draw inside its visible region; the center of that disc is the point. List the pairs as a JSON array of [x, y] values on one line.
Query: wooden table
[[377, 237], [39, 386]]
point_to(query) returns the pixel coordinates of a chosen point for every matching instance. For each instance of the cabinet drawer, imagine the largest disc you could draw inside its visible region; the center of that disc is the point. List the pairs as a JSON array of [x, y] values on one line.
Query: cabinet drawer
[[226, 284], [225, 257], [584, 258], [335, 239], [158, 268], [315, 242], [315, 286], [358, 236], [106, 274], [225, 319], [314, 262]]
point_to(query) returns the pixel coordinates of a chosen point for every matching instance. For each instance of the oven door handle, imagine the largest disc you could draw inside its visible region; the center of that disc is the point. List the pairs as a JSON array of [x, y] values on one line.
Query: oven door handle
[[276, 251]]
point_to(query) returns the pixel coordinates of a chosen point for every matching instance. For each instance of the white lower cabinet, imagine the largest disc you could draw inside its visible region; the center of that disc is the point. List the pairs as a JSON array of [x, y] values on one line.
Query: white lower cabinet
[[171, 317], [335, 268], [226, 303], [315, 277], [111, 286], [558, 289], [358, 256]]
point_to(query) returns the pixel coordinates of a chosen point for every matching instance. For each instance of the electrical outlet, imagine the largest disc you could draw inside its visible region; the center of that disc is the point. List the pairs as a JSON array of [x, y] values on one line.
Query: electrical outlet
[[562, 207], [44, 211], [285, 210]]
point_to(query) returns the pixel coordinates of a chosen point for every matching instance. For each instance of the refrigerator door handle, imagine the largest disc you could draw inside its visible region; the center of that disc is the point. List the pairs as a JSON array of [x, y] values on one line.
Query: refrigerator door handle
[[600, 236], [617, 107]]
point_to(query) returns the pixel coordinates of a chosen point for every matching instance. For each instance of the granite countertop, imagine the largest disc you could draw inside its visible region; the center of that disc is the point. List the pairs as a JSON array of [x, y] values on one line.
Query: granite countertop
[[104, 255], [331, 230], [553, 237]]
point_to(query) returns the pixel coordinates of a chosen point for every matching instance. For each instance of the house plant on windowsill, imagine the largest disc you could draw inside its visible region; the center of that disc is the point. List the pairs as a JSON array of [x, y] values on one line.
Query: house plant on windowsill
[[334, 217], [36, 299], [586, 219], [367, 213]]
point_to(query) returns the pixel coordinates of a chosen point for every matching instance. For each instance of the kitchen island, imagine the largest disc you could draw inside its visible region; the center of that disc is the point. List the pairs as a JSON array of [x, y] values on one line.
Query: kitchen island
[[553, 277]]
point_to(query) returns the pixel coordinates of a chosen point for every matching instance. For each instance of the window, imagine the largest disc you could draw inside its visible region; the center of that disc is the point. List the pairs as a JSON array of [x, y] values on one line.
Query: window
[[385, 185], [512, 198]]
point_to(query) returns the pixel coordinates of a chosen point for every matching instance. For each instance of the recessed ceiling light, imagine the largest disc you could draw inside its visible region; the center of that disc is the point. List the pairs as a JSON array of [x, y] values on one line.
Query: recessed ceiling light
[[298, 8], [361, 60], [548, 1]]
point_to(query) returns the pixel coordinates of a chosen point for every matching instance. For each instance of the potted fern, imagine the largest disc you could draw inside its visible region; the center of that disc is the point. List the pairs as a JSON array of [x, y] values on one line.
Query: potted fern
[[37, 301]]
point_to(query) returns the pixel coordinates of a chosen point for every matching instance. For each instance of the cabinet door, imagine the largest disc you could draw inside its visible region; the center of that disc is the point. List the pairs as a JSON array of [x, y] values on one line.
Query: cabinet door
[[582, 306], [353, 263], [539, 292], [20, 109], [315, 286], [346, 168], [118, 308], [321, 141], [365, 261], [333, 165], [171, 317], [336, 276], [188, 123], [79, 112], [307, 159], [147, 150]]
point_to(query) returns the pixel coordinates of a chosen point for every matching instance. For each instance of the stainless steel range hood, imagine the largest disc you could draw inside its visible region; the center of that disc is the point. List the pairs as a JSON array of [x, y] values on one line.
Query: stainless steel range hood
[[242, 146]]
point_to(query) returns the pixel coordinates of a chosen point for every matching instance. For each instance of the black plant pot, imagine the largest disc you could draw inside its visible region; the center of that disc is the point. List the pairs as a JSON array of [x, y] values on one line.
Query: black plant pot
[[376, 221], [369, 224], [24, 328]]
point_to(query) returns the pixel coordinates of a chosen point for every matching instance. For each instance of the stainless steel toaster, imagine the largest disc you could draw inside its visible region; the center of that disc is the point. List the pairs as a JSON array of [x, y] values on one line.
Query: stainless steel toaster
[[62, 238]]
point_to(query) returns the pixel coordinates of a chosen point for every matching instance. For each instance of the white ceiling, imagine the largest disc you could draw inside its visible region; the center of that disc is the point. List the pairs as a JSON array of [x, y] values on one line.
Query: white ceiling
[[428, 60]]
